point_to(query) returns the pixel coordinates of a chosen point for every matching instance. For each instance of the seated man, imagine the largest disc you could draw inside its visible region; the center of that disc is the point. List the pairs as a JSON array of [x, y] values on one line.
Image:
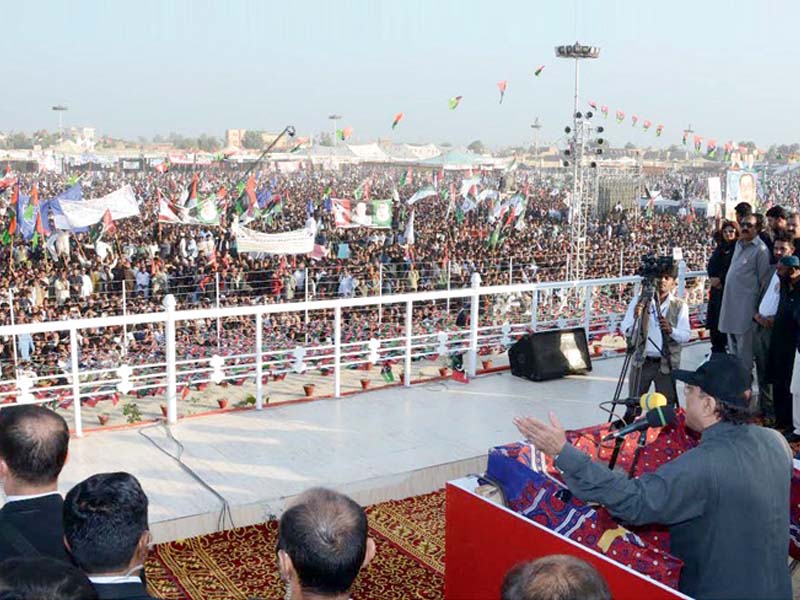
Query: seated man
[[105, 530], [322, 545], [555, 577], [43, 579], [33, 449]]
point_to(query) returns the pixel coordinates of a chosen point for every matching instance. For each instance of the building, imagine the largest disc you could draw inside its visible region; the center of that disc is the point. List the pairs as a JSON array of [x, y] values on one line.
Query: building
[[234, 138]]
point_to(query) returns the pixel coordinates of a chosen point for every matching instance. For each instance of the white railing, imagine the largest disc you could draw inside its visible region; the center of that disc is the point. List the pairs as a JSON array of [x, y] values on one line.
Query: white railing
[[333, 333]]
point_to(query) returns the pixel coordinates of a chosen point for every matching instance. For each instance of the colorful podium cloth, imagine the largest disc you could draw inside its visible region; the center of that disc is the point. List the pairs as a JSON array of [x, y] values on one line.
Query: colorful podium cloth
[[533, 488]]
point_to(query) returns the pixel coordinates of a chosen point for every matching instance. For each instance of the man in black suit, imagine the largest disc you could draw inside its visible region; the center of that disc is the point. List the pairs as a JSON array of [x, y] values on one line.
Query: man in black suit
[[105, 531], [33, 449]]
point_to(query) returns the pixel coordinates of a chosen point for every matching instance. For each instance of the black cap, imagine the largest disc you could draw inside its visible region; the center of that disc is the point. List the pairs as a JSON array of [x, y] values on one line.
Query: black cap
[[722, 376]]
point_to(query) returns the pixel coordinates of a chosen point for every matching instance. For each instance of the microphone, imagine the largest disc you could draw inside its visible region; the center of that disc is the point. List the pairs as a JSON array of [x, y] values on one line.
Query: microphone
[[646, 402], [658, 417]]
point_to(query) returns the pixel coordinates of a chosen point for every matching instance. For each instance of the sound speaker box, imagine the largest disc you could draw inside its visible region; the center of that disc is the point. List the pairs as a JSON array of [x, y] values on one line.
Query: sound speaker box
[[550, 355]]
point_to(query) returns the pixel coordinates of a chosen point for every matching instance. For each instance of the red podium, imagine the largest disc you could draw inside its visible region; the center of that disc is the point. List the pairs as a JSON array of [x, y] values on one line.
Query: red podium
[[484, 540]]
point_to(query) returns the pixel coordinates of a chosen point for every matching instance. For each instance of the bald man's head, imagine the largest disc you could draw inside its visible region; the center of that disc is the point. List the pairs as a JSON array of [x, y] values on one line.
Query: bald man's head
[[33, 443], [554, 577], [324, 533]]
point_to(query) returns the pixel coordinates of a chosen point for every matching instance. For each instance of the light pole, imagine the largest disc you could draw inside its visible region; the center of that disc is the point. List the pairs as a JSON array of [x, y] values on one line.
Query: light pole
[[60, 109], [335, 118], [536, 126], [576, 261]]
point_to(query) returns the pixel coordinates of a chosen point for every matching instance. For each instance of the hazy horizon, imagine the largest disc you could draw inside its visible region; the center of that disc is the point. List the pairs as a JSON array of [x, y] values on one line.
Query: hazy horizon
[[203, 67]]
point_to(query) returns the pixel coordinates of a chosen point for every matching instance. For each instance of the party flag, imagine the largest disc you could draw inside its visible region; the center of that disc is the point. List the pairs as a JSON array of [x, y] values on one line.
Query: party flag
[[344, 133], [634, 120], [454, 102], [620, 116], [646, 125], [711, 148], [502, 85], [397, 118], [538, 71], [698, 143], [604, 110], [108, 222], [593, 104], [685, 137], [659, 130], [296, 148], [386, 373]]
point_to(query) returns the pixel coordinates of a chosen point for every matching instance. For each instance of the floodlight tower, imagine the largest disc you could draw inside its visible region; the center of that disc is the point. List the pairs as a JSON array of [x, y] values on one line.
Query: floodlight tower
[[60, 109], [335, 118], [580, 153]]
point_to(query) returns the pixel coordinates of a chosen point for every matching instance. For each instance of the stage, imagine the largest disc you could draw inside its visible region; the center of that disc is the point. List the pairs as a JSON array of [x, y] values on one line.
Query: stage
[[384, 444]]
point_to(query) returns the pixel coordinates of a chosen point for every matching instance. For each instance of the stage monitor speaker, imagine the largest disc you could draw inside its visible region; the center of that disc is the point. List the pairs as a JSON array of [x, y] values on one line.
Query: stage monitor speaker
[[550, 355]]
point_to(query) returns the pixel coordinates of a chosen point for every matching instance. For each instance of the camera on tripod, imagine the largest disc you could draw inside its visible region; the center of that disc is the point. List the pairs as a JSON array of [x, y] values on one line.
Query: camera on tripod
[[652, 267]]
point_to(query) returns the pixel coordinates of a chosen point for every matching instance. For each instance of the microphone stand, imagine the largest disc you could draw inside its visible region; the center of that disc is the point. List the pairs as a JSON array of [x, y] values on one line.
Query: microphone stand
[[615, 454], [639, 447]]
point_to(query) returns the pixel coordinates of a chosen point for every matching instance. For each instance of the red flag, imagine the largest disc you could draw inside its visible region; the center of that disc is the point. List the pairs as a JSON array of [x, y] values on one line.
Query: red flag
[[250, 188], [502, 85], [108, 222]]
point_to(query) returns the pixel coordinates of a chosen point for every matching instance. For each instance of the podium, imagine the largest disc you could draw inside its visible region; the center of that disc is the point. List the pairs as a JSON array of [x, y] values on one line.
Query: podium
[[484, 540]]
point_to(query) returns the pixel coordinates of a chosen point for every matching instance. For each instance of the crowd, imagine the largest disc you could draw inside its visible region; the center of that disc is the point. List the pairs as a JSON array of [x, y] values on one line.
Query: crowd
[[96, 274]]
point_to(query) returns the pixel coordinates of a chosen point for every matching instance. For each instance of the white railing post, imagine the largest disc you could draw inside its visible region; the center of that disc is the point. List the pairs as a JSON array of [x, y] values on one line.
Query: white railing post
[[587, 319], [124, 324], [621, 260], [535, 309], [337, 352], [305, 280], [259, 362], [681, 279], [172, 375], [219, 322], [474, 315], [380, 293], [13, 337], [448, 285], [409, 333], [510, 270], [76, 381]]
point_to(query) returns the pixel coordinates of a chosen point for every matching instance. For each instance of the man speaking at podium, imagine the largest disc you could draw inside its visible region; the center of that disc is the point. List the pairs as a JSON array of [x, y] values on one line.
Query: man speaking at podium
[[725, 502]]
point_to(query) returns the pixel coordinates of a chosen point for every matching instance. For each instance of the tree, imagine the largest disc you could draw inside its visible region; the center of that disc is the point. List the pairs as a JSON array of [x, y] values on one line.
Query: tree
[[477, 147], [158, 139], [252, 140], [630, 146], [208, 143], [20, 141], [325, 139]]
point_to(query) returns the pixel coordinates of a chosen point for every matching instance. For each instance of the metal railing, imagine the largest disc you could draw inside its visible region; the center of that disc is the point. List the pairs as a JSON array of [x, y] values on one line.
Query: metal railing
[[168, 351]]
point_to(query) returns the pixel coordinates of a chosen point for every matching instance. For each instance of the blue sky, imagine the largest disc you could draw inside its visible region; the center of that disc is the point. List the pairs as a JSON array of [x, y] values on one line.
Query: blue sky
[[139, 68]]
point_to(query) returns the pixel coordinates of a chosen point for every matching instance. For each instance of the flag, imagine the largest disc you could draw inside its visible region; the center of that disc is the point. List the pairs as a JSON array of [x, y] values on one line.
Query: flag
[[162, 167], [604, 110], [646, 125], [685, 137], [362, 191], [344, 133], [538, 71], [711, 148], [593, 104], [634, 120], [502, 85], [659, 130], [250, 188], [296, 148], [422, 193], [397, 118], [620, 116], [341, 212], [409, 232], [108, 222], [454, 102], [698, 143]]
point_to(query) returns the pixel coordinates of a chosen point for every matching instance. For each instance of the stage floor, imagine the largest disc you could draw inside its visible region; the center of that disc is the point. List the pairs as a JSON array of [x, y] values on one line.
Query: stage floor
[[378, 445]]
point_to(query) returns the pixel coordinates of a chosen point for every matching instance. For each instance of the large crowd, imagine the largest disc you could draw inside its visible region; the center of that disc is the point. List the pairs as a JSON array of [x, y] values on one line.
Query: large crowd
[[95, 274]]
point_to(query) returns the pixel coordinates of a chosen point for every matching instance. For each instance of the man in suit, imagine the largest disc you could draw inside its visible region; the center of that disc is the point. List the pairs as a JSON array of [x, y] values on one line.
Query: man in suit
[[33, 449], [747, 278], [322, 545], [105, 531]]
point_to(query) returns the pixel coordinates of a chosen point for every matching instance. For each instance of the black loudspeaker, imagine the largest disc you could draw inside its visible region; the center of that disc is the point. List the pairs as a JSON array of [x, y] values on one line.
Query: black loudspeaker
[[550, 355]]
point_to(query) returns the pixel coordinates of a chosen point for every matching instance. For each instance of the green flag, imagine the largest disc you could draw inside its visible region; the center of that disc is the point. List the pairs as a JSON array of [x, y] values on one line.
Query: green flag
[[28, 213]]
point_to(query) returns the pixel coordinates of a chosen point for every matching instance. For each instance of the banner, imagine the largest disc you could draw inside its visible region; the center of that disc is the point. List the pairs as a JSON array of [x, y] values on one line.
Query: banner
[[72, 194], [299, 241], [421, 194], [375, 214], [740, 186], [83, 213], [714, 197]]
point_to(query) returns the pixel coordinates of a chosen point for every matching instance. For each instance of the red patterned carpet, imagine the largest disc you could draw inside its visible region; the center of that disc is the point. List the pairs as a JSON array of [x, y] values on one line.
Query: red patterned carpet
[[240, 563]]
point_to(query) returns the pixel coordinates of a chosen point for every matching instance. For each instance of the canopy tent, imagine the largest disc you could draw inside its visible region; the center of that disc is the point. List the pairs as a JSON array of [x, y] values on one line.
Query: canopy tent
[[457, 159]]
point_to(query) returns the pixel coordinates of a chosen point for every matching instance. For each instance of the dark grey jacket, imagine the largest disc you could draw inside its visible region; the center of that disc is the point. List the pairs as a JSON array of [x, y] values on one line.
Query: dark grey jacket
[[725, 502]]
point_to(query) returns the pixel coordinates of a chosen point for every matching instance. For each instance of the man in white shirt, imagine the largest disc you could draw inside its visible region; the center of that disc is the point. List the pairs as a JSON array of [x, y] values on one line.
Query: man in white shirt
[[783, 245], [670, 319]]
